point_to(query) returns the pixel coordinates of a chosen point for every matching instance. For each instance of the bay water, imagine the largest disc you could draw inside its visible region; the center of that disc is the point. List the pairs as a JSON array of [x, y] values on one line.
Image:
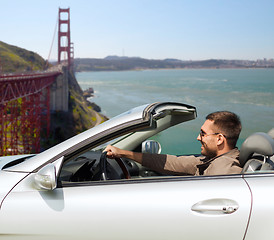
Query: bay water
[[247, 92]]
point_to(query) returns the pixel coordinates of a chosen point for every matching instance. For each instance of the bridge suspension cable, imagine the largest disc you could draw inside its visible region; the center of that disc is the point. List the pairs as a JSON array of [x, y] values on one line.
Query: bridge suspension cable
[[52, 42]]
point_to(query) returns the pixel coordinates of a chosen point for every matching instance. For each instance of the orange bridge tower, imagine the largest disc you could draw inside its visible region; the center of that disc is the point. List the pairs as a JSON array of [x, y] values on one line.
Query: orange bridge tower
[[64, 44]]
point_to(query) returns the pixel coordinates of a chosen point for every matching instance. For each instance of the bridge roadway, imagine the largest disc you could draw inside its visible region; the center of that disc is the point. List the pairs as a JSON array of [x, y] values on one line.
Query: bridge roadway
[[21, 85], [25, 109]]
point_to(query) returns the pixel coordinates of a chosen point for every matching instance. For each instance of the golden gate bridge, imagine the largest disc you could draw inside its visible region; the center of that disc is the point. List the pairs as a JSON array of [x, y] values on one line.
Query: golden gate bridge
[[25, 98]]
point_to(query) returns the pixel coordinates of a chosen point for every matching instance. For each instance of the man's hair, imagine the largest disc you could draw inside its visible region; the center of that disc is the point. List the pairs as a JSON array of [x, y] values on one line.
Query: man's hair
[[229, 124]]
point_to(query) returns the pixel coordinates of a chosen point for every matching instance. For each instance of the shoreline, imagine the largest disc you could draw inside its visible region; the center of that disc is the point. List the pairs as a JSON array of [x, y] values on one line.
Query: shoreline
[[149, 69]]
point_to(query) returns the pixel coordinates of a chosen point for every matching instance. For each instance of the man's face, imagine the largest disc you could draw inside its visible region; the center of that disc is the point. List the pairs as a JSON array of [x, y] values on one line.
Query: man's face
[[208, 139]]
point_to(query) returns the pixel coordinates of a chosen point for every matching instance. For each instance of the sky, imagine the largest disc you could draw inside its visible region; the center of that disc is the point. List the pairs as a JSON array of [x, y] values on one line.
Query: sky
[[152, 29]]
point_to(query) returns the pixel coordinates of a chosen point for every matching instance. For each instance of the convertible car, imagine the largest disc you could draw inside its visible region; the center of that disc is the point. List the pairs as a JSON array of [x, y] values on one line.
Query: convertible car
[[72, 191]]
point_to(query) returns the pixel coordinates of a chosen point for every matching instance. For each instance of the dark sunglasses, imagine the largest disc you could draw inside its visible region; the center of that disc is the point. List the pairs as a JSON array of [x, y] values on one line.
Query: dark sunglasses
[[203, 134]]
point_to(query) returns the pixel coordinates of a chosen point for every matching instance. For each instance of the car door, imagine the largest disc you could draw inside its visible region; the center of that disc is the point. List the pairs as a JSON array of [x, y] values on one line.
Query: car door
[[147, 208], [261, 220]]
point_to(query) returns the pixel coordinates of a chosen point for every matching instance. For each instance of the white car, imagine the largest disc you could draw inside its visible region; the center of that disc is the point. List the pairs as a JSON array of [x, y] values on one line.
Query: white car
[[72, 191]]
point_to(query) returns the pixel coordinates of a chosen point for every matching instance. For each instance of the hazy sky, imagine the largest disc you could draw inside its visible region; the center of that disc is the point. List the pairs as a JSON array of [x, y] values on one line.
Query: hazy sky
[[154, 29]]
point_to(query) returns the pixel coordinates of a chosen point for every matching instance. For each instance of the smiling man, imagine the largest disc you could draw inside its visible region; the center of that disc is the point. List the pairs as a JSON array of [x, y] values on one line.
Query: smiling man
[[218, 137]]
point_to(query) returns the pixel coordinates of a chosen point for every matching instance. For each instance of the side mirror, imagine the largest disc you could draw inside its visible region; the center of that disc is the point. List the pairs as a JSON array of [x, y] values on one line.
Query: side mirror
[[151, 146], [45, 178]]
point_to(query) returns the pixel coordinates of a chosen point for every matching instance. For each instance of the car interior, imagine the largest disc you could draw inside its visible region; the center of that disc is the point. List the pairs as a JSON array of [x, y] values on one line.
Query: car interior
[[256, 156], [93, 165]]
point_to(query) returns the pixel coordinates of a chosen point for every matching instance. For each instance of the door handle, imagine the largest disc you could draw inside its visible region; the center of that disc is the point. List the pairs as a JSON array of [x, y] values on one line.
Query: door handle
[[216, 206]]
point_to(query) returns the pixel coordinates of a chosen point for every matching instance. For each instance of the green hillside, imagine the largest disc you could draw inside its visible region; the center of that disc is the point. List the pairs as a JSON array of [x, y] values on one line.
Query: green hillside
[[82, 114], [15, 59]]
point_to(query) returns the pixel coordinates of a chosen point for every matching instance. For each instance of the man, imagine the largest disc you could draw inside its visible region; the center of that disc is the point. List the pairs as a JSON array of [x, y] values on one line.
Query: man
[[218, 137]]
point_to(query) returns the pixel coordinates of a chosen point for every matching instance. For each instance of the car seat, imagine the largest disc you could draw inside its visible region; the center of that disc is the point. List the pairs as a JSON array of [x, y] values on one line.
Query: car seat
[[256, 153], [271, 133]]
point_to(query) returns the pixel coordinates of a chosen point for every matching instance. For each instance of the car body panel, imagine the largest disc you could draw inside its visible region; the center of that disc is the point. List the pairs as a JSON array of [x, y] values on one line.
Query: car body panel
[[152, 209], [7, 159], [261, 220], [8, 181]]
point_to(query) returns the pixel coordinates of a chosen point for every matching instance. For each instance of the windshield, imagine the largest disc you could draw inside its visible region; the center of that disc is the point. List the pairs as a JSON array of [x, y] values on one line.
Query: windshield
[[111, 142]]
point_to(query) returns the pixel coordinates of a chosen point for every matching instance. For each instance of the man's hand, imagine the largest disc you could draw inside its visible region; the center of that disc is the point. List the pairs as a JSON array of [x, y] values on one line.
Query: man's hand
[[114, 152]]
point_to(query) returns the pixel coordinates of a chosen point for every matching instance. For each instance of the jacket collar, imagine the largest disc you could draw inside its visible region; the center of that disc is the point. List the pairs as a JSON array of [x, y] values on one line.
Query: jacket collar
[[234, 153]]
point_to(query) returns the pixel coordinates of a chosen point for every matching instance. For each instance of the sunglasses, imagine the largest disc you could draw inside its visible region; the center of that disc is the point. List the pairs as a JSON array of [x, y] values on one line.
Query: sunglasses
[[203, 134]]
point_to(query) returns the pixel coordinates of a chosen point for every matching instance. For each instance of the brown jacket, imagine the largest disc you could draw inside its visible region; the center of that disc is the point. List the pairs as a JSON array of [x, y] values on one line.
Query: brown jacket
[[227, 163]]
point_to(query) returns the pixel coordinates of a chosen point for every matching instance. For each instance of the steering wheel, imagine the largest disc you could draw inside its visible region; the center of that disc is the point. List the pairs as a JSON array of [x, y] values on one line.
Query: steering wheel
[[103, 167]]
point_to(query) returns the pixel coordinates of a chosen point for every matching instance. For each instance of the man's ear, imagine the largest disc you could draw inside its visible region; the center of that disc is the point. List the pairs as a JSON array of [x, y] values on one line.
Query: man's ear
[[220, 139]]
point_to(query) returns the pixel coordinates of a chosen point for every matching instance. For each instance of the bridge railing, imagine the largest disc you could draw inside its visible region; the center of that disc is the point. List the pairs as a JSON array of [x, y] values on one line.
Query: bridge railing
[[24, 110]]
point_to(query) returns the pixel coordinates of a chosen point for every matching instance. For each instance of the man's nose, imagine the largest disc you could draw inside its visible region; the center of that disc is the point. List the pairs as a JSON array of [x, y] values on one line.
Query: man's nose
[[199, 137]]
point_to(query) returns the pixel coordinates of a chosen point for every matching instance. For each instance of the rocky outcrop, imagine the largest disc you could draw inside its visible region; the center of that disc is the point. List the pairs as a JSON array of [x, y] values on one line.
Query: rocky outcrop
[[81, 115]]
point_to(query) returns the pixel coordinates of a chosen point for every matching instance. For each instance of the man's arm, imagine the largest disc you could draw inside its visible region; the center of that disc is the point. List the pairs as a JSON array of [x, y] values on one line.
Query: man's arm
[[114, 152], [166, 164]]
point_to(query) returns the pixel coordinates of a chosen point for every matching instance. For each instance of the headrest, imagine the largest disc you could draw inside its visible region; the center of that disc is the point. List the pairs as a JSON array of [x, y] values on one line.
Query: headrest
[[260, 143], [271, 133]]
